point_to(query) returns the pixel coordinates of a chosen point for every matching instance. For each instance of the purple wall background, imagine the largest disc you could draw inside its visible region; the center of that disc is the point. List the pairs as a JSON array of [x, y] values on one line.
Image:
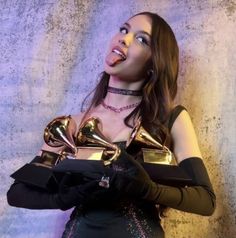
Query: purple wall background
[[51, 53]]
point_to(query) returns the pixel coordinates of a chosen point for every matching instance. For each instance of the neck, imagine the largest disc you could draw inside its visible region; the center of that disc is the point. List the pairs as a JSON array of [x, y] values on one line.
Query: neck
[[124, 91], [119, 100], [116, 82]]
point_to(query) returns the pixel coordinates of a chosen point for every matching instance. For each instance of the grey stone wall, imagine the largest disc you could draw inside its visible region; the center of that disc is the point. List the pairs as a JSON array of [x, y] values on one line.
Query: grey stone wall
[[51, 53]]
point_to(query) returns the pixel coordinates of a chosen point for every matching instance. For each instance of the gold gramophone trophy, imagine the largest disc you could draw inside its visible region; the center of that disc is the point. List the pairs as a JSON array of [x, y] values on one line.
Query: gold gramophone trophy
[[58, 133], [158, 160], [153, 151], [90, 137], [88, 145]]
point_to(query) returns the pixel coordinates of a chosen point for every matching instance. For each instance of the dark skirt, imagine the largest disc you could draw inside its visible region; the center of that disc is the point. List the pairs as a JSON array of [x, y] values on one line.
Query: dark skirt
[[125, 221]]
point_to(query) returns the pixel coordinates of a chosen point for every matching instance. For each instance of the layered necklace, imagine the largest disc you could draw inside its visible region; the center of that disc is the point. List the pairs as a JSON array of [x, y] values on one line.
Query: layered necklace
[[122, 92], [121, 109]]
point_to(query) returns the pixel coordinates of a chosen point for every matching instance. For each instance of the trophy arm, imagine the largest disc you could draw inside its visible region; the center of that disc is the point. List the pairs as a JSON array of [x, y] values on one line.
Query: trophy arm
[[114, 157]]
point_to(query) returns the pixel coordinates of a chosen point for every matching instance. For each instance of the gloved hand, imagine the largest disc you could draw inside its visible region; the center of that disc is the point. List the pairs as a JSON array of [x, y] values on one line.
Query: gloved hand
[[135, 182], [70, 196], [129, 177], [70, 193]]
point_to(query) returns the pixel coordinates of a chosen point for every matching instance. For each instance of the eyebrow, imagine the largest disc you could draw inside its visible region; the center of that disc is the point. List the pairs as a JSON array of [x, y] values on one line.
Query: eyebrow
[[143, 32]]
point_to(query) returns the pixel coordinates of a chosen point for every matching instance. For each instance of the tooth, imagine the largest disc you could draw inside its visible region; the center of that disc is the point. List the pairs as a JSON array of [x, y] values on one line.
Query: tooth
[[119, 53]]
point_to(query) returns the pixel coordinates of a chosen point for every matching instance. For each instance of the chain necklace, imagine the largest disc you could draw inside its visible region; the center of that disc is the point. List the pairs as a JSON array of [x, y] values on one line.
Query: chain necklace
[[121, 109], [124, 91]]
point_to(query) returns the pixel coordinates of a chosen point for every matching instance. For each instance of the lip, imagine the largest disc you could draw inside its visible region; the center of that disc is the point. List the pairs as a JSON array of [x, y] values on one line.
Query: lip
[[121, 51]]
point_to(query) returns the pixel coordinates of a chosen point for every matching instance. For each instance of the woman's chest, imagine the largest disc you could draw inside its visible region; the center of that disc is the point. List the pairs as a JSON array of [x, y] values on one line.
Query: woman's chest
[[112, 126]]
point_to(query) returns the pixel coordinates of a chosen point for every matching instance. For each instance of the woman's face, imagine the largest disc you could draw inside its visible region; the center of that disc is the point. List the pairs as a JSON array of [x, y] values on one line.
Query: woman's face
[[129, 50]]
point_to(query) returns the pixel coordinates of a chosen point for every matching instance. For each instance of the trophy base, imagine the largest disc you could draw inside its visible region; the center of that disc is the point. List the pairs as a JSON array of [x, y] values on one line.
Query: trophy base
[[90, 153], [156, 156], [37, 175], [85, 153], [168, 174]]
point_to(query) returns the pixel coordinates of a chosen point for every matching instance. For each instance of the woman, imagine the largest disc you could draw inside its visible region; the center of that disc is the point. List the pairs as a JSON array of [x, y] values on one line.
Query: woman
[[140, 81]]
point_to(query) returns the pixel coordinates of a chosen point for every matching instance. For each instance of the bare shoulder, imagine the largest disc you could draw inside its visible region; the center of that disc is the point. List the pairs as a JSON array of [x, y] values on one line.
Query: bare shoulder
[[184, 137]]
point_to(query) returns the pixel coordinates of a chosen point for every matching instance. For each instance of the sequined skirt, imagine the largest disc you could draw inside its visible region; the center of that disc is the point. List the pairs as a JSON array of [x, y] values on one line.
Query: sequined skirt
[[124, 221]]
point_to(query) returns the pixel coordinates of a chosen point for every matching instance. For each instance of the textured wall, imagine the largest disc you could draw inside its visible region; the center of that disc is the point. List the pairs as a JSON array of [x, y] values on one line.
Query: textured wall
[[51, 53]]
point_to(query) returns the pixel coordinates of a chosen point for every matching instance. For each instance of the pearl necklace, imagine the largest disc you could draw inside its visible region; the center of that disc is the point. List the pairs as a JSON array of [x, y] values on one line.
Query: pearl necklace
[[121, 109]]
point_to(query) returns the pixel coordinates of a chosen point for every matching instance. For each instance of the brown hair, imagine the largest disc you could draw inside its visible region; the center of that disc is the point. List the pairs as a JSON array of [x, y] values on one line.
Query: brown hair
[[159, 89]]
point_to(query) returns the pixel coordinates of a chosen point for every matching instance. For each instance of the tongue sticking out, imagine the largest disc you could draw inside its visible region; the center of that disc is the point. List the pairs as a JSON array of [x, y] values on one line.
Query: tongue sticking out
[[112, 59]]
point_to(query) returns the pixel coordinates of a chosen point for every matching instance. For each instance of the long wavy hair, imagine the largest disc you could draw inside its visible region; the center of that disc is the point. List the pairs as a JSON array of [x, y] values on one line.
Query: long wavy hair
[[159, 88]]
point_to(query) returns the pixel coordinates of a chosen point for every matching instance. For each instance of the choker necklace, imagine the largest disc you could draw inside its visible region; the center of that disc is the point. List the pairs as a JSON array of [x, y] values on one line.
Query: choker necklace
[[121, 109], [124, 91]]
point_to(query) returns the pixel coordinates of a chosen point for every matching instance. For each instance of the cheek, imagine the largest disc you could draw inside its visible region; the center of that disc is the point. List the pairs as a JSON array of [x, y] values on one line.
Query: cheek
[[139, 50], [139, 60], [140, 57]]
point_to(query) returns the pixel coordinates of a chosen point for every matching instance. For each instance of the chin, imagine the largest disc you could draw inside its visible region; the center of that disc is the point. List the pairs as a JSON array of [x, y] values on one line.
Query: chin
[[108, 69], [111, 71], [119, 73]]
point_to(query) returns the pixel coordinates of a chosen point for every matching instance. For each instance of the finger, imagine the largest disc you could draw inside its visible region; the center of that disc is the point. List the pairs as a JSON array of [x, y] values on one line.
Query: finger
[[65, 181], [88, 176], [90, 186]]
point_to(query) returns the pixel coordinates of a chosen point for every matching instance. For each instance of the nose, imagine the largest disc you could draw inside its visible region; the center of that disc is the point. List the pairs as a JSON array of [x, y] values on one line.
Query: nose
[[122, 42], [126, 40]]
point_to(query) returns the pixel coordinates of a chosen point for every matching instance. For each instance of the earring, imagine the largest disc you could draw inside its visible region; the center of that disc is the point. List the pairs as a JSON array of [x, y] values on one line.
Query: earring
[[150, 72]]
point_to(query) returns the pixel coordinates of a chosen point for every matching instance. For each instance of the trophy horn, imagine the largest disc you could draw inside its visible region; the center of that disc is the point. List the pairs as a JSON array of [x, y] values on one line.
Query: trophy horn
[[141, 136], [153, 151], [59, 132], [89, 133]]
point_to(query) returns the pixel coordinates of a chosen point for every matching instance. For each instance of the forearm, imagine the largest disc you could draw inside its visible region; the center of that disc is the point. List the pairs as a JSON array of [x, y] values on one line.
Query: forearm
[[70, 192], [194, 199], [199, 199], [22, 195]]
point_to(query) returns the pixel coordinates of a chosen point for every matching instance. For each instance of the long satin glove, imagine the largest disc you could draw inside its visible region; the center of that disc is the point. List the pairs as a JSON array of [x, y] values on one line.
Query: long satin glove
[[199, 199], [25, 196], [70, 196]]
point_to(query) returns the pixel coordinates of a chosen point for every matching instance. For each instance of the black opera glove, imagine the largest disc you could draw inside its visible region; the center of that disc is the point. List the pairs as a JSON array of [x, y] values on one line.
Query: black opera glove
[[199, 199], [121, 176], [26, 196], [69, 196], [128, 176]]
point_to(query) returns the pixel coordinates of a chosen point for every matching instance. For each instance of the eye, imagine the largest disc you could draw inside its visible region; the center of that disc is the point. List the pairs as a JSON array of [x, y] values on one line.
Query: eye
[[142, 40], [123, 30]]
